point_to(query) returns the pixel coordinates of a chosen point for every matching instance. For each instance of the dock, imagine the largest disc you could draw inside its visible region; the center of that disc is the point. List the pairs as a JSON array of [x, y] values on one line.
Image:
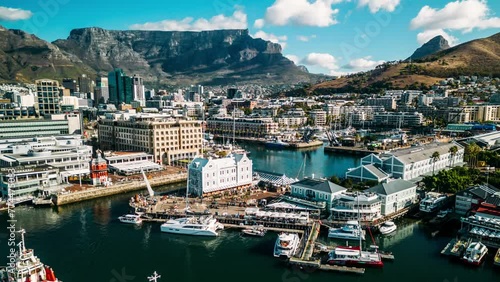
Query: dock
[[345, 269], [350, 150], [303, 145]]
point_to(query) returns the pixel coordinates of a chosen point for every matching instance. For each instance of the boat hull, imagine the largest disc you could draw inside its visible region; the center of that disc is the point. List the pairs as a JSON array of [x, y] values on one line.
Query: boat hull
[[173, 230], [354, 263], [386, 231]]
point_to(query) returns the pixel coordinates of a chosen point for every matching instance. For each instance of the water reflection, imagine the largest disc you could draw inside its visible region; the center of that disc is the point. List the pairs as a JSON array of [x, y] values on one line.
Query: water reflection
[[405, 230]]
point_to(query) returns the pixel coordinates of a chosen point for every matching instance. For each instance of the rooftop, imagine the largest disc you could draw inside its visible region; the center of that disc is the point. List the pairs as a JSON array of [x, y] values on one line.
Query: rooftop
[[319, 185], [392, 187]]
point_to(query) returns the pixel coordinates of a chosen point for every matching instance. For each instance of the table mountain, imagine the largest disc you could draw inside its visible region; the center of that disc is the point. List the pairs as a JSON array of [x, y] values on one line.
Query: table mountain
[[432, 46], [217, 57]]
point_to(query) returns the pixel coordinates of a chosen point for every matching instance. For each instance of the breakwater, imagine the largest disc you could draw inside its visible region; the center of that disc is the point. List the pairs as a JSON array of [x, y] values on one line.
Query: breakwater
[[93, 193]]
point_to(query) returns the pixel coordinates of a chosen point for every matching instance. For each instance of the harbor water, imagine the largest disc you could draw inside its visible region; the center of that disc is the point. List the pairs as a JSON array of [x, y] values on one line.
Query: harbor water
[[86, 242]]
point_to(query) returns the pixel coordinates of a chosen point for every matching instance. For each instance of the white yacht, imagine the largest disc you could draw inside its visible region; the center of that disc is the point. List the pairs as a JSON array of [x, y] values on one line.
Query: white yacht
[[388, 227], [432, 202], [286, 245], [199, 226], [475, 253], [130, 218], [350, 231]]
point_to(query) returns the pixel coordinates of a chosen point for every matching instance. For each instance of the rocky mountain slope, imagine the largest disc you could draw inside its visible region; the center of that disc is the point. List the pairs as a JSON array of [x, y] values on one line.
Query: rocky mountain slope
[[220, 56], [432, 46]]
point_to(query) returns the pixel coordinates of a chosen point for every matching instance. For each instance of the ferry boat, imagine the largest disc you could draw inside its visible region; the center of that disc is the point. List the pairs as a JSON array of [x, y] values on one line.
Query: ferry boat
[[130, 219], [496, 261], [198, 226], [286, 245], [276, 144], [432, 202], [354, 256], [27, 267], [258, 231], [388, 227], [475, 253], [350, 231]]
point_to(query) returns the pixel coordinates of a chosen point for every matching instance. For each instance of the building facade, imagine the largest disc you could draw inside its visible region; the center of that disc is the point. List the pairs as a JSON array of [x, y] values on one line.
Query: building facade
[[395, 195], [215, 175], [48, 96], [316, 190], [120, 87], [242, 127]]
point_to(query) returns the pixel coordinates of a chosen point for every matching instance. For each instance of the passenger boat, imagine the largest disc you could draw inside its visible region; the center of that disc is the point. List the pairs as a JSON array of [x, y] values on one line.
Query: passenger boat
[[27, 267], [286, 245], [432, 202], [197, 226], [354, 256], [496, 261], [350, 231], [259, 231], [276, 144], [130, 219], [388, 227], [475, 253]]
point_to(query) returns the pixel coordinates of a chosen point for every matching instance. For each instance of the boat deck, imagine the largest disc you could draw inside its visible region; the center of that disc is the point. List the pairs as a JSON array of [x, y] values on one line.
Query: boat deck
[[455, 248]]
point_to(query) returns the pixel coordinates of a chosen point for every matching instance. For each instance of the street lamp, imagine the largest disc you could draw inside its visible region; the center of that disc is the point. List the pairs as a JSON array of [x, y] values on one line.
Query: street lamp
[[488, 173]]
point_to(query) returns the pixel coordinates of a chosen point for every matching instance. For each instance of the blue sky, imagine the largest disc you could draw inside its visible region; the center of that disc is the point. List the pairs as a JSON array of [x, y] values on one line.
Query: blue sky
[[328, 36]]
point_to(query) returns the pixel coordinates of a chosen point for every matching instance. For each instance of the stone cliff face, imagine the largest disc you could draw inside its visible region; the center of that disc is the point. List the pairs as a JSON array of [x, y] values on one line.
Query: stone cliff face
[[207, 56], [434, 45]]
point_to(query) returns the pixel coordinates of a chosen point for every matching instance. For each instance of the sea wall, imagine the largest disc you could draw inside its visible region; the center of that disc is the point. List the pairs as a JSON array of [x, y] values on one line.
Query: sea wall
[[73, 197]]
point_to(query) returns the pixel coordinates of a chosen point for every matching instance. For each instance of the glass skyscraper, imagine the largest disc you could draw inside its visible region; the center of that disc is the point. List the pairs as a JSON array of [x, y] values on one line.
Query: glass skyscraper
[[120, 87]]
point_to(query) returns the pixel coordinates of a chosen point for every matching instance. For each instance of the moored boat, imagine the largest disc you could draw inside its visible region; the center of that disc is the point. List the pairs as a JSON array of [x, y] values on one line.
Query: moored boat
[[475, 253], [276, 143], [350, 231], [496, 261], [258, 231], [388, 227], [432, 202], [130, 219], [286, 245], [27, 267], [197, 226], [353, 256]]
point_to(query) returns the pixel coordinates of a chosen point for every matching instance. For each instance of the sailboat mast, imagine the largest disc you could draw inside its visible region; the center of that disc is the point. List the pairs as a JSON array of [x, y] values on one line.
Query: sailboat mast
[[234, 122], [360, 228]]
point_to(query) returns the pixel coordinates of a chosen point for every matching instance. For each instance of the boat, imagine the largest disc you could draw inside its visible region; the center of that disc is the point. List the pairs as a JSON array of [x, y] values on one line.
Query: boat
[[27, 267], [475, 253], [130, 218], [350, 231], [354, 256], [432, 202], [444, 213], [496, 261], [286, 245], [259, 231], [197, 226], [388, 227], [276, 143]]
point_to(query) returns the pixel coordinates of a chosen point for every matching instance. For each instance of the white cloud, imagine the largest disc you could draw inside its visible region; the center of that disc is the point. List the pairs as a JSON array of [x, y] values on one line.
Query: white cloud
[[317, 13], [462, 15], [280, 39], [259, 23], [425, 36], [293, 58], [305, 38], [377, 5], [238, 20], [322, 60], [13, 14], [362, 64]]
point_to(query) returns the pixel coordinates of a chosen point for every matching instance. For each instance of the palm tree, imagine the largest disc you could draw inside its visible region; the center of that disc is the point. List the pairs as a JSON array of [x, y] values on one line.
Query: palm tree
[[435, 158], [453, 151], [471, 152]]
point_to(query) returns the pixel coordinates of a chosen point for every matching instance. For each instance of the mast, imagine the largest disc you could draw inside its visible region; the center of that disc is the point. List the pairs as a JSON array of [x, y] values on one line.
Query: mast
[[234, 122], [360, 229]]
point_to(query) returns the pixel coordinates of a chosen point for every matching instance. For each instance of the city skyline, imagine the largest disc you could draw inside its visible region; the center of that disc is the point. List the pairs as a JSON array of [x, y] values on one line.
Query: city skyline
[[328, 36]]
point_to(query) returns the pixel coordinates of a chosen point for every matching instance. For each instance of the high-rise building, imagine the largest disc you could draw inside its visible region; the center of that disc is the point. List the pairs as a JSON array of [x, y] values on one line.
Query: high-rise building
[[101, 90], [120, 87], [48, 95], [70, 84], [138, 88], [85, 84]]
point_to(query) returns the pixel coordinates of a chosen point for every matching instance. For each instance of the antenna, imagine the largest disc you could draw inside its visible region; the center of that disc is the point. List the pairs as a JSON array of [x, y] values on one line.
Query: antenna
[[154, 277]]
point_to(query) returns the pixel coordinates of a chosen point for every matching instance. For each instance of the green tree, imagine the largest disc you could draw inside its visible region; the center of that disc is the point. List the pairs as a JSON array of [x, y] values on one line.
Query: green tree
[[347, 183], [452, 180], [453, 151], [435, 158], [472, 151], [334, 179]]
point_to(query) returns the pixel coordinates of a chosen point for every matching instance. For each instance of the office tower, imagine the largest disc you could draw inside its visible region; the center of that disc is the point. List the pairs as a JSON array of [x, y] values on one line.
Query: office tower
[[138, 88], [101, 90], [48, 95], [120, 87], [85, 84], [70, 84]]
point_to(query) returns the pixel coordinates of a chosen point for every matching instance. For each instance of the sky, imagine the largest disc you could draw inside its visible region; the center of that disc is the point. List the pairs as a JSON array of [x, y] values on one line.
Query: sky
[[334, 37]]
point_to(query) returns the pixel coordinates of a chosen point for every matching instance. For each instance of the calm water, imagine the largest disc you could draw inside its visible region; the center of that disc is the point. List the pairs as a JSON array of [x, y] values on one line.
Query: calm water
[[85, 242]]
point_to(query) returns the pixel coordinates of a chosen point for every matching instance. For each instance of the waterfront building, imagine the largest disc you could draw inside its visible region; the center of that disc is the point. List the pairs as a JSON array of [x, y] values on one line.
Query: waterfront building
[[318, 117], [395, 195], [354, 206], [215, 175], [168, 139], [61, 124], [48, 96], [291, 121], [470, 198], [98, 170], [126, 163], [389, 103], [316, 190], [398, 119], [242, 127], [120, 87], [408, 163]]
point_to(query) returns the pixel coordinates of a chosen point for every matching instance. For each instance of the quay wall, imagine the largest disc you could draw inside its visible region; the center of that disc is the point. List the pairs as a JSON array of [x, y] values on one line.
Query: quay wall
[[93, 193]]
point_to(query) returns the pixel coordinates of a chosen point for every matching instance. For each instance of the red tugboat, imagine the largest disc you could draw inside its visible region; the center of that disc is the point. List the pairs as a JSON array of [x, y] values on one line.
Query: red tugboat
[[27, 267]]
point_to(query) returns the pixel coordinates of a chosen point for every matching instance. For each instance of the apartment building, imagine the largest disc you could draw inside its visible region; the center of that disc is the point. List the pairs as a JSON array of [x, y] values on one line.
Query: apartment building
[[398, 119], [167, 139], [389, 103], [48, 96], [244, 127]]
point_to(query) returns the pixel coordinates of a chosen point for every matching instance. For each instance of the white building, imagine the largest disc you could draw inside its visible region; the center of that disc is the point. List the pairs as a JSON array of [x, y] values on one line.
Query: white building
[[395, 195], [316, 190], [215, 175], [352, 206]]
